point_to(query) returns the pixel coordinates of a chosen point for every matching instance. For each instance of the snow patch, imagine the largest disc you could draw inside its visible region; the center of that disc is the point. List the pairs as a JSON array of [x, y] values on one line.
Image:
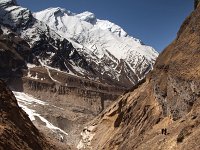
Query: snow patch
[[32, 77], [97, 39], [27, 98], [24, 100], [31, 65]]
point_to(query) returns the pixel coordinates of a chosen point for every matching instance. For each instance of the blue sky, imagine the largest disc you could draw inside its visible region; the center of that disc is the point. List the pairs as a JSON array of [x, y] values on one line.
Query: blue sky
[[155, 22]]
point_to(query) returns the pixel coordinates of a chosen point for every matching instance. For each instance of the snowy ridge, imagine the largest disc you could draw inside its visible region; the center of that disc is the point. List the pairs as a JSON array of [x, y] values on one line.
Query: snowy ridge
[[45, 42], [101, 38], [12, 15]]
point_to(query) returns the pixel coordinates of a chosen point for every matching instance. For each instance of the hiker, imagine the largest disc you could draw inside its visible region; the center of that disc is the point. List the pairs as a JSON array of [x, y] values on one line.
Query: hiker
[[164, 131]]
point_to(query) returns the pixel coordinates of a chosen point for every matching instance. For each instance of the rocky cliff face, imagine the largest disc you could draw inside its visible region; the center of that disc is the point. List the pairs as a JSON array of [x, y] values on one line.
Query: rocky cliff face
[[70, 101], [17, 132], [196, 2], [169, 98], [13, 51]]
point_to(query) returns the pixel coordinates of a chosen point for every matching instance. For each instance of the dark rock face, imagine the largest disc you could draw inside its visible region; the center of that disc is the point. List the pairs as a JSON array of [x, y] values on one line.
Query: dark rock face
[[14, 19], [63, 53], [196, 2], [170, 98], [13, 53]]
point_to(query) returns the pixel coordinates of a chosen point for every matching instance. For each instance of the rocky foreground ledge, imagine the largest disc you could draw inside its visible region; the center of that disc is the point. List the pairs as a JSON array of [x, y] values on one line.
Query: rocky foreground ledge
[[17, 132]]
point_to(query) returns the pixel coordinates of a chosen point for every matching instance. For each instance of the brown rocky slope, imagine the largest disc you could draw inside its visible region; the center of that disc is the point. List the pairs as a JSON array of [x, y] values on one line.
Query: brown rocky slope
[[169, 98], [17, 132]]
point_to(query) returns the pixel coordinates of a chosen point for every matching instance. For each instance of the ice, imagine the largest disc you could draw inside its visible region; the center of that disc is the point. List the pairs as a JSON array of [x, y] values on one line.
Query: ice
[[32, 77], [49, 125], [30, 112], [31, 65], [27, 98]]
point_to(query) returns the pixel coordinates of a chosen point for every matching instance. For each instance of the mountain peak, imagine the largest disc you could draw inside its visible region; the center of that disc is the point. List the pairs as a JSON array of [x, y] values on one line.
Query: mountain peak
[[88, 17], [57, 11], [105, 40], [9, 2], [13, 15]]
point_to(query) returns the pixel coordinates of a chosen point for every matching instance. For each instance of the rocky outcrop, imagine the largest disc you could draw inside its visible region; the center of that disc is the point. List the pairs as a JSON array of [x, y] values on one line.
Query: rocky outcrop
[[169, 98], [196, 2], [17, 132], [13, 53]]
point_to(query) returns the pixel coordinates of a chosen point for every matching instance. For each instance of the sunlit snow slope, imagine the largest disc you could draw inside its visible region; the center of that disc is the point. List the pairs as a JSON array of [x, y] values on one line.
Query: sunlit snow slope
[[103, 43]]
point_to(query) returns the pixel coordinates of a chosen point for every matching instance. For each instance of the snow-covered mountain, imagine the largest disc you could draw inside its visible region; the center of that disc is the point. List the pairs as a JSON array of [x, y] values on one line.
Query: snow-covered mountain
[[49, 49], [80, 44], [105, 45]]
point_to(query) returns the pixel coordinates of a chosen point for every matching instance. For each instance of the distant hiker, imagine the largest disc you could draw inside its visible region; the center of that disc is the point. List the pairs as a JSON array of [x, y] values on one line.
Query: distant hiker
[[164, 131]]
